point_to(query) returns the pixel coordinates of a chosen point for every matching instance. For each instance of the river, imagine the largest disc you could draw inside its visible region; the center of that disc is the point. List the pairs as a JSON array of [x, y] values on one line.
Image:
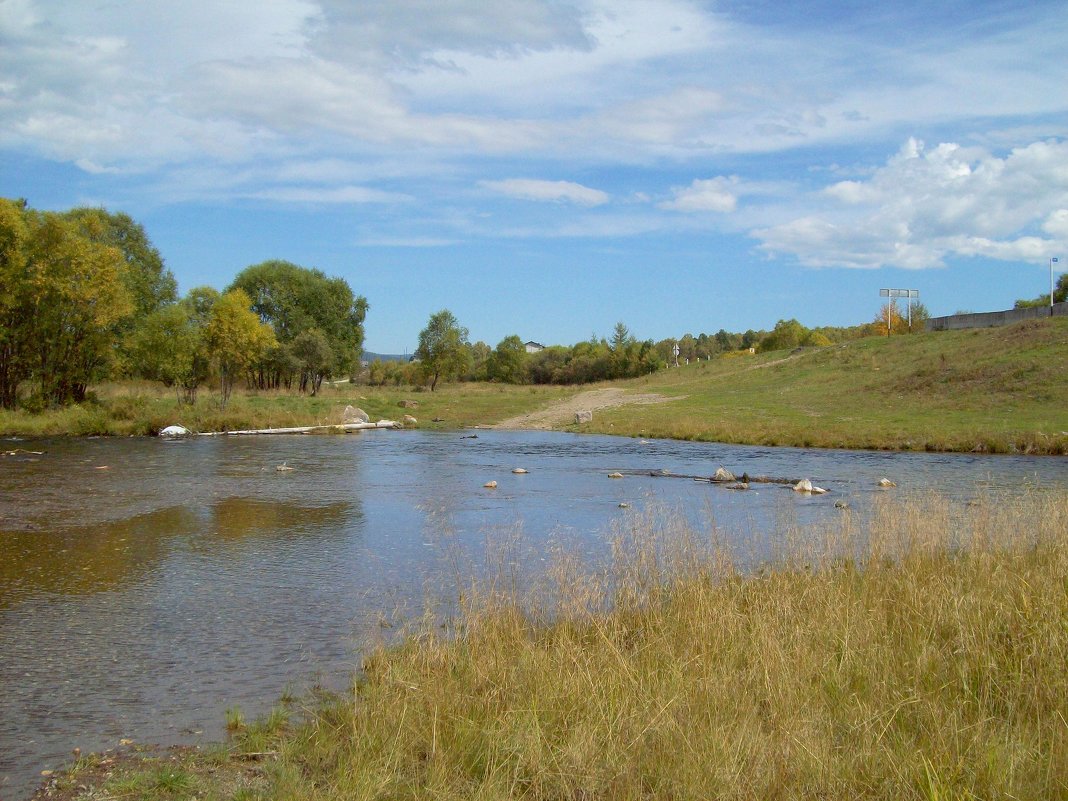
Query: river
[[146, 585]]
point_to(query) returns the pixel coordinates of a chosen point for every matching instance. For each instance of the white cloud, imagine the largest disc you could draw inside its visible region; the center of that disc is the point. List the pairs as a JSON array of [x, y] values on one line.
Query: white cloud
[[533, 189], [929, 203], [342, 195], [718, 194]]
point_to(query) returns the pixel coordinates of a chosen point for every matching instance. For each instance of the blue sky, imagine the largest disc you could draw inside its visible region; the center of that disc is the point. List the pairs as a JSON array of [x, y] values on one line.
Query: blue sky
[[549, 168]]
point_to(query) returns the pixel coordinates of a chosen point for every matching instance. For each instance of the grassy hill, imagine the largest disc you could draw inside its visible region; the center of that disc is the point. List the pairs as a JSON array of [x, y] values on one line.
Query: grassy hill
[[985, 390]]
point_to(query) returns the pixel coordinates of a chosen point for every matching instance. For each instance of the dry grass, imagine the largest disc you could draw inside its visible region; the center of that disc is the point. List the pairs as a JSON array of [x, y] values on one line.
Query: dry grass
[[919, 653]]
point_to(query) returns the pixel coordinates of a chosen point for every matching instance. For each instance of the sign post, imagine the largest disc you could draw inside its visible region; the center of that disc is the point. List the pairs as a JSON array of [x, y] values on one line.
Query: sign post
[[1052, 261], [675, 351], [900, 293]]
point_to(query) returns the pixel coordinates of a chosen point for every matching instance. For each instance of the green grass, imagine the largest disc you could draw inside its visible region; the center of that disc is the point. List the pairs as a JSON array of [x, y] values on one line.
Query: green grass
[[915, 654], [998, 390], [143, 408], [990, 390]]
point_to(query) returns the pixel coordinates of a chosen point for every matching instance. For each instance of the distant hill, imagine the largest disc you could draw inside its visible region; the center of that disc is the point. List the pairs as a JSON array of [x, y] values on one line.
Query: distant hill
[[369, 357]]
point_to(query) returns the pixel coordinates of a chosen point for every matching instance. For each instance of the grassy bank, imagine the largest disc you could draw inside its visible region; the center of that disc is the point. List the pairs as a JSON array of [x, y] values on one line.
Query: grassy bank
[[143, 408], [927, 665], [996, 390]]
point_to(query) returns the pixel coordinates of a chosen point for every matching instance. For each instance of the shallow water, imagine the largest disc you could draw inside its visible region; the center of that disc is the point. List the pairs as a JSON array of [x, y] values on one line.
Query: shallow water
[[146, 586]]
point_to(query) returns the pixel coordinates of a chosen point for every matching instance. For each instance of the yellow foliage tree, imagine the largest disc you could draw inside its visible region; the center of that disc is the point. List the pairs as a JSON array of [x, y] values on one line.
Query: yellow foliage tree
[[235, 338]]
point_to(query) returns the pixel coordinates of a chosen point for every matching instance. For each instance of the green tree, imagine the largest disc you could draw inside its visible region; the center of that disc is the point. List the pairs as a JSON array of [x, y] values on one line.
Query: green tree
[[443, 350], [312, 352], [294, 299], [786, 334], [235, 338], [169, 346], [508, 363]]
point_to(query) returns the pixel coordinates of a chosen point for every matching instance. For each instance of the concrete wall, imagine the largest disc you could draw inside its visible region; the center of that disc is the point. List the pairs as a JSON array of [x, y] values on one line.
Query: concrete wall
[[955, 322]]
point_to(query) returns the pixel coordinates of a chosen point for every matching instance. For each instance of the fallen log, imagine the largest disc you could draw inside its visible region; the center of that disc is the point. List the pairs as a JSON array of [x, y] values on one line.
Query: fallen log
[[321, 429], [744, 478]]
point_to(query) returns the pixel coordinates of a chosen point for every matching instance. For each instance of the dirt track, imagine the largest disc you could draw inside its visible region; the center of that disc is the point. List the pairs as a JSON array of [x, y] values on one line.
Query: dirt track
[[563, 412]]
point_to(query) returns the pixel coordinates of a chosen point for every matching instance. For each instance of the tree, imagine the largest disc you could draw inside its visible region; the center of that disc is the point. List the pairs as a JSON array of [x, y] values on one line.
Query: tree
[[169, 346], [16, 332], [312, 352], [294, 299], [508, 363], [235, 338], [786, 334], [150, 284], [77, 304], [443, 348]]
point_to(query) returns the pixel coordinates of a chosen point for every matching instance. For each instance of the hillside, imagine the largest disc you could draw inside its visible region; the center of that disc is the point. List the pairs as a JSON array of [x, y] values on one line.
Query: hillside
[[983, 390]]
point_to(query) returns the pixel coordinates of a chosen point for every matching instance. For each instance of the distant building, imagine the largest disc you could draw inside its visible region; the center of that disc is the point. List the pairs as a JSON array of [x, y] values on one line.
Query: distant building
[[533, 347]]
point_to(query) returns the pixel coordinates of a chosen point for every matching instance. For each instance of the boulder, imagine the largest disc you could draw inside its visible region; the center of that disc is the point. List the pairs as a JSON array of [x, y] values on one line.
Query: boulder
[[354, 414], [742, 485], [885, 482], [175, 431], [409, 404], [804, 485], [615, 475], [584, 416], [519, 471], [408, 420], [722, 474], [490, 485]]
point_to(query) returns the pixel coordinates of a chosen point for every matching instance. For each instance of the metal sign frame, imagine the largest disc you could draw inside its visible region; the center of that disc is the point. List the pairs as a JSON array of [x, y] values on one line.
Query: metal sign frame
[[898, 293]]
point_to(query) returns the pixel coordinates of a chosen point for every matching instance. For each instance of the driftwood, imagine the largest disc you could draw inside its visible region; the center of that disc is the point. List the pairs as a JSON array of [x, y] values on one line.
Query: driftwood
[[343, 427], [744, 478]]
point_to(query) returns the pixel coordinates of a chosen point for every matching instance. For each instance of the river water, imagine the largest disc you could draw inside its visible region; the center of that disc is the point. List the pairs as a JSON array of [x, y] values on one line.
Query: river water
[[146, 586]]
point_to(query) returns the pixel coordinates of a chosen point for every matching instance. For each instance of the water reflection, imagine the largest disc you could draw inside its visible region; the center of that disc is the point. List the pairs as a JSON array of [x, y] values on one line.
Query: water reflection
[[90, 559]]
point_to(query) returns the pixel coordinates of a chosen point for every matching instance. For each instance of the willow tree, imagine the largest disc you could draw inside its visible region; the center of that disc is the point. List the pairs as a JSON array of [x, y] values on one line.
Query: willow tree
[[294, 300], [235, 338]]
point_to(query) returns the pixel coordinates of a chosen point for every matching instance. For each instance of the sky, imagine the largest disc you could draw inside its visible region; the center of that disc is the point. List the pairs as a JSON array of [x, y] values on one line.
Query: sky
[[549, 168]]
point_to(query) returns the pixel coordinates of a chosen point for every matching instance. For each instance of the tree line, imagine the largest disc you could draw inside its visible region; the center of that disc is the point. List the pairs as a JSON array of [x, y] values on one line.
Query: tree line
[[84, 296], [446, 353]]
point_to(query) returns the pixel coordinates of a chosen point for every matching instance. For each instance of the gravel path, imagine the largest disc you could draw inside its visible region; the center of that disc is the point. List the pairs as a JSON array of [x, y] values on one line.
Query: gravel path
[[563, 412]]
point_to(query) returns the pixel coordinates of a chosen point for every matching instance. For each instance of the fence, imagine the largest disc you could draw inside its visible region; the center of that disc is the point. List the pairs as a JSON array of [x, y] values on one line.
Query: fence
[[955, 322]]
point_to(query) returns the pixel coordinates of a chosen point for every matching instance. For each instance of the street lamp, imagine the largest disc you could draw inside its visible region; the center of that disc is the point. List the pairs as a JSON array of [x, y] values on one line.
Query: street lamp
[[1052, 261]]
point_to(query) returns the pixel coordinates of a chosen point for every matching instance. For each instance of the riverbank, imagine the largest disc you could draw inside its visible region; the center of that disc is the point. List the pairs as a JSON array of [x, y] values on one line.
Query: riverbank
[[998, 390], [917, 653]]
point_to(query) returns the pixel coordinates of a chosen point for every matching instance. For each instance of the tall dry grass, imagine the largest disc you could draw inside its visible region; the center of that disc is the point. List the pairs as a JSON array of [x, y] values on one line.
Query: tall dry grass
[[921, 652]]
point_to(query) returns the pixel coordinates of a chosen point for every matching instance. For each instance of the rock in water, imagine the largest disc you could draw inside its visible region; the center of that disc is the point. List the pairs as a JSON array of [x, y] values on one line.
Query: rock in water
[[722, 474], [804, 485], [490, 485], [519, 471], [615, 475], [885, 482], [175, 431]]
